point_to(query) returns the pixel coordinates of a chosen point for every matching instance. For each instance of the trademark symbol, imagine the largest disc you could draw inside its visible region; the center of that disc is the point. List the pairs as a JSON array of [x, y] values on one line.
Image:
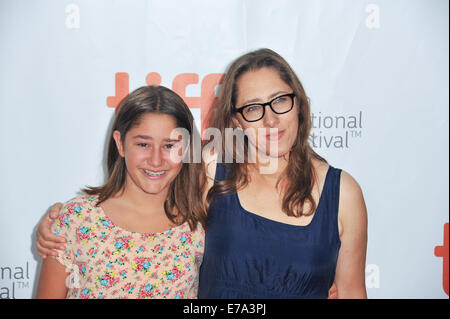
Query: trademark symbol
[[23, 285]]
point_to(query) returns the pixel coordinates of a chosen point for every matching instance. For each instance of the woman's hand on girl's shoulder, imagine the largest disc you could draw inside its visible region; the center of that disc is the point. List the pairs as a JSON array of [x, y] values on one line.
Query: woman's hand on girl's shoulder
[[46, 241]]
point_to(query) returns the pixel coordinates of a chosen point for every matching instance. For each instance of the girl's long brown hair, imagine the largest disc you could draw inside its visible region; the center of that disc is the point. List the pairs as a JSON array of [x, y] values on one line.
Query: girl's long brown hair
[[299, 173], [184, 201]]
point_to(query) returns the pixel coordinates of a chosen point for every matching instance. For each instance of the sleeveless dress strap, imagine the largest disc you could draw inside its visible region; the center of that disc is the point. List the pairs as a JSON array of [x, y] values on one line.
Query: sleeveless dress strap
[[330, 195], [333, 184]]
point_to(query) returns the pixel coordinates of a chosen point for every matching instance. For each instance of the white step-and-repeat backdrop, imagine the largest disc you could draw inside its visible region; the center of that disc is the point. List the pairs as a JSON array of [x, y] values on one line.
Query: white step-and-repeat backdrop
[[376, 71]]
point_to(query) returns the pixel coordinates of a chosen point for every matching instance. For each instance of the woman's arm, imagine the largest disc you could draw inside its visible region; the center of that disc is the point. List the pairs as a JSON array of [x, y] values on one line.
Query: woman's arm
[[46, 241], [52, 280], [350, 271]]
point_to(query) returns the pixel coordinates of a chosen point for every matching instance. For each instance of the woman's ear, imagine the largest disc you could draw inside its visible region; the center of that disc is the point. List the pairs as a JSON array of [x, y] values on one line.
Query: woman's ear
[[236, 122], [119, 144]]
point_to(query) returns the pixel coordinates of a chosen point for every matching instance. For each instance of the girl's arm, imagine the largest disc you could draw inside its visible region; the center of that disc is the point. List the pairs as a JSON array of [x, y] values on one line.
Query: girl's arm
[[350, 271], [52, 280]]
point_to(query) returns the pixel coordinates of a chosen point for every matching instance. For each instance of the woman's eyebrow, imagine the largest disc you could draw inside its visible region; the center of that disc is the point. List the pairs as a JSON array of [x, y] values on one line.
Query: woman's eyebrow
[[268, 98]]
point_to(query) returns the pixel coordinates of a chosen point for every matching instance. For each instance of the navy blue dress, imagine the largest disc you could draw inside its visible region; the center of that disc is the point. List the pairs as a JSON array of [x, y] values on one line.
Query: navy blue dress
[[250, 256]]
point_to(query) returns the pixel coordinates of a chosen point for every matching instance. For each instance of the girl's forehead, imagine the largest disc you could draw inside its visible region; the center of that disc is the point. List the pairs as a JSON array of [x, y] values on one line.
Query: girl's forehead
[[156, 120], [155, 125]]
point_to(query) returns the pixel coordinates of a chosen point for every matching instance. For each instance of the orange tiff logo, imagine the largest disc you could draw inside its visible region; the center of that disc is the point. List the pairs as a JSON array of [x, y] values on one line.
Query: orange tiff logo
[[179, 84], [442, 251]]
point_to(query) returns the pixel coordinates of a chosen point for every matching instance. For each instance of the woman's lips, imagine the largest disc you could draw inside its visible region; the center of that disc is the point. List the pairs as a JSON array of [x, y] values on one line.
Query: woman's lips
[[275, 136]]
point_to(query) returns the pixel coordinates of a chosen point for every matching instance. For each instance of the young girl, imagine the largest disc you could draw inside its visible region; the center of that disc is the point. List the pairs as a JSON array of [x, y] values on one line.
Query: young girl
[[140, 235]]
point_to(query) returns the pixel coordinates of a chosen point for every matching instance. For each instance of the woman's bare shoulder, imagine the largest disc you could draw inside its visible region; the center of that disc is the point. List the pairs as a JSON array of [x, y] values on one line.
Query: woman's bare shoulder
[[350, 188], [352, 207]]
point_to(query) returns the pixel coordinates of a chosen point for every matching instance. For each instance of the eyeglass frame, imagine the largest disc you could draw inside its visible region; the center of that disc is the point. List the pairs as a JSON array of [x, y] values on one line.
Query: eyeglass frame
[[240, 110]]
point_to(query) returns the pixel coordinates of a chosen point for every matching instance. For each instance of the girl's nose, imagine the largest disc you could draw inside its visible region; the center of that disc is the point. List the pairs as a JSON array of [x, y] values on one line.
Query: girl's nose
[[155, 159]]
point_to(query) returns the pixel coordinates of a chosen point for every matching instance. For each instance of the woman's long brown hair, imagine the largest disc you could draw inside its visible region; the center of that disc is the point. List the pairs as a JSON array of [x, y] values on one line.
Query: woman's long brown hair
[[299, 173], [184, 201]]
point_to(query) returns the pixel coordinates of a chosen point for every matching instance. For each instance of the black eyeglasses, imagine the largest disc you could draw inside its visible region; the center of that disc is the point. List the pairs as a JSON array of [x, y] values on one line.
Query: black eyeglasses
[[255, 111]]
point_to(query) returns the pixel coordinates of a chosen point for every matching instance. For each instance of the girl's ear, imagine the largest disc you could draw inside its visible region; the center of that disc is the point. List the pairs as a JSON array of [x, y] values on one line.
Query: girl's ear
[[119, 144]]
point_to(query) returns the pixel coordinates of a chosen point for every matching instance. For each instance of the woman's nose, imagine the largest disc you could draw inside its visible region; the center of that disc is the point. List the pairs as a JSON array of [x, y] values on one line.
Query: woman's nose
[[270, 118]]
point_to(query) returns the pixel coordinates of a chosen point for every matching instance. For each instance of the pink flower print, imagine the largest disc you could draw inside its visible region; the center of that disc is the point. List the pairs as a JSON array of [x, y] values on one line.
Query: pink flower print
[[141, 249], [92, 252], [74, 208], [121, 261], [166, 291], [166, 258], [103, 237], [107, 253], [122, 243], [85, 293], [142, 264], [147, 237], [81, 268], [129, 288], [158, 249], [83, 234], [146, 291], [186, 238], [99, 262], [63, 221], [180, 294], [104, 222], [173, 274], [154, 274], [108, 280]]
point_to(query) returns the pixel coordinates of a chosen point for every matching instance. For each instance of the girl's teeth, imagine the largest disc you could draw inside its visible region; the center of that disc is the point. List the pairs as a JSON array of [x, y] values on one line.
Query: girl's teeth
[[149, 173]]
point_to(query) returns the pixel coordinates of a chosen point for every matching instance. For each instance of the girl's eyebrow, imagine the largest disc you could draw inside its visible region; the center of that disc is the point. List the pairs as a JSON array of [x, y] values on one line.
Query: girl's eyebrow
[[171, 140], [146, 137]]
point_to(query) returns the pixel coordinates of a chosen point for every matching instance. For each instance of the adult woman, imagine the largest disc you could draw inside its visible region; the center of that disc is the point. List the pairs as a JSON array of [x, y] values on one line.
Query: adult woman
[[285, 232], [288, 232]]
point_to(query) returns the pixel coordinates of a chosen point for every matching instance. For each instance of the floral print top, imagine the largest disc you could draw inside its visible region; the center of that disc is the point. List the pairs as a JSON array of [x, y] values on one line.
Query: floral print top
[[106, 261]]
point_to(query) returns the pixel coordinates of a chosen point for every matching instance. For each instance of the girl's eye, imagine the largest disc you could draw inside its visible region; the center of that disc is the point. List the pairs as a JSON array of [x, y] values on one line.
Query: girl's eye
[[169, 146], [143, 144]]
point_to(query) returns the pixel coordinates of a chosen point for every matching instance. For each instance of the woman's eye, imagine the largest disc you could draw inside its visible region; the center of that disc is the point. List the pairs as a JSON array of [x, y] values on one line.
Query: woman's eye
[[280, 99], [252, 108]]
